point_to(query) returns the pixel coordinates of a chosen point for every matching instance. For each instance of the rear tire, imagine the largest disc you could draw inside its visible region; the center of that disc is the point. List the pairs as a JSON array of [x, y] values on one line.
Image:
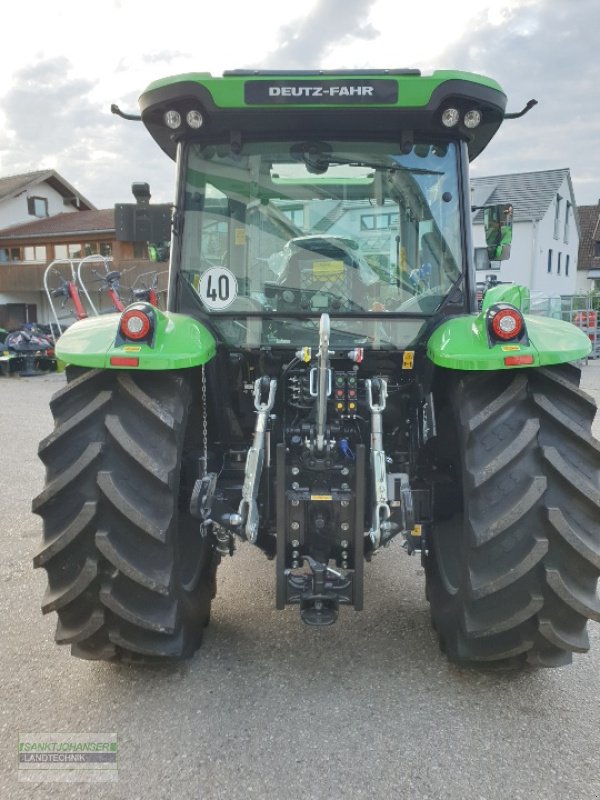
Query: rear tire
[[129, 575], [514, 555]]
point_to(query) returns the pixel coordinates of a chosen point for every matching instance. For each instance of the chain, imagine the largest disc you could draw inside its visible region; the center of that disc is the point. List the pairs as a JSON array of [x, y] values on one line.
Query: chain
[[204, 425]]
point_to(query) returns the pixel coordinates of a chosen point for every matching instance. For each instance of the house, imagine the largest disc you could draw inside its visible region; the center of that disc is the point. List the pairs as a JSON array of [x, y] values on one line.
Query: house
[[27, 249], [36, 195], [589, 248], [546, 229]]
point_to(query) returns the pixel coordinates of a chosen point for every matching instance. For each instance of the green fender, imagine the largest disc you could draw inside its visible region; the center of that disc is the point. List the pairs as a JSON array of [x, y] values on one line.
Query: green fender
[[512, 293], [180, 341], [462, 343]]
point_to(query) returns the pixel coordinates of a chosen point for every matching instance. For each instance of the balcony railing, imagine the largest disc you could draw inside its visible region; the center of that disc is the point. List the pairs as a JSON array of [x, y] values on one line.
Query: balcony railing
[[24, 276]]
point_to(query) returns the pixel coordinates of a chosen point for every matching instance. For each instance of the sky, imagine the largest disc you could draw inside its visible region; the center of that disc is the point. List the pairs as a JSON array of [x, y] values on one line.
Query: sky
[[64, 62]]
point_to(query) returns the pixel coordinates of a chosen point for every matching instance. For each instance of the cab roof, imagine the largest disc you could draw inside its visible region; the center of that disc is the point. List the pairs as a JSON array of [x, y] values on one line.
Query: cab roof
[[385, 104]]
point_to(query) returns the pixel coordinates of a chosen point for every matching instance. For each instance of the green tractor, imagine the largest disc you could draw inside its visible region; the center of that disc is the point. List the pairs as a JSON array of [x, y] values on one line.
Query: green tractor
[[323, 382]]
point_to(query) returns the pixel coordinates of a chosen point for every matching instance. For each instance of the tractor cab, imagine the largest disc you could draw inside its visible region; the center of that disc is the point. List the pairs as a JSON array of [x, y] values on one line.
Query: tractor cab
[[376, 234], [343, 193]]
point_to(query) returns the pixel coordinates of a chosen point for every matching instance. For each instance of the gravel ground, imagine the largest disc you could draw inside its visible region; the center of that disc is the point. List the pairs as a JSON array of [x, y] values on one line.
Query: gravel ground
[[269, 708]]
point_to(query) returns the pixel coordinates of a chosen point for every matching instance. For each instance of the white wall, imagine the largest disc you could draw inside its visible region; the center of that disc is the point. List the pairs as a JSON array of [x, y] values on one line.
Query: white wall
[[31, 298], [13, 210], [553, 283], [20, 297], [518, 268], [528, 263], [37, 299], [584, 283]]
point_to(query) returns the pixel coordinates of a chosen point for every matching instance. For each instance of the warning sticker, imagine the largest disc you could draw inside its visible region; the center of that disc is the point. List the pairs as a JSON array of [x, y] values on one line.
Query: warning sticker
[[408, 359], [325, 270]]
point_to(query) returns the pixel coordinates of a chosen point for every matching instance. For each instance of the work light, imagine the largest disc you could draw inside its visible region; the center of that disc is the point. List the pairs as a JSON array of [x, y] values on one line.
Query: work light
[[172, 119], [450, 117]]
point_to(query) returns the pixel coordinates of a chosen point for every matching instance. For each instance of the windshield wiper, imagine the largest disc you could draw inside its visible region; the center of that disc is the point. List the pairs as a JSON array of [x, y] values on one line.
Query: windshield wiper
[[382, 165], [319, 156]]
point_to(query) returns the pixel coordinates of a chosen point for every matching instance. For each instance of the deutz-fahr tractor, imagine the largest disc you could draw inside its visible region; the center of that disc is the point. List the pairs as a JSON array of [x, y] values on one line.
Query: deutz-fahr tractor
[[322, 382]]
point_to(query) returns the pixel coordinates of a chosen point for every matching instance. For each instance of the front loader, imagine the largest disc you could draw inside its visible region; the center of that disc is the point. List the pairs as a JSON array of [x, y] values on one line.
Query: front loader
[[322, 383]]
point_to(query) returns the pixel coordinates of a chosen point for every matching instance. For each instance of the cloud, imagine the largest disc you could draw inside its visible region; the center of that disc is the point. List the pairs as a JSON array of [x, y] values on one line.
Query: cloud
[[307, 41], [53, 121], [548, 50], [165, 57], [53, 117], [43, 106]]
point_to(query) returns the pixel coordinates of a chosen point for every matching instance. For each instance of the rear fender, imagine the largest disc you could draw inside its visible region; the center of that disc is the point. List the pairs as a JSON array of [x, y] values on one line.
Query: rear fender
[[178, 341], [464, 342]]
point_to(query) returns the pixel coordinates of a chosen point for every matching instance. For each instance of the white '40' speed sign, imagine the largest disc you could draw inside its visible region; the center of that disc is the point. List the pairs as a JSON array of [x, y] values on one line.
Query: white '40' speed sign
[[218, 288]]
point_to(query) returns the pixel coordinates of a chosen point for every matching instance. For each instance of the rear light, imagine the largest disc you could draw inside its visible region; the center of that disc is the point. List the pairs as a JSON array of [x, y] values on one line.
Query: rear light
[[505, 322], [517, 361], [135, 324], [123, 361]]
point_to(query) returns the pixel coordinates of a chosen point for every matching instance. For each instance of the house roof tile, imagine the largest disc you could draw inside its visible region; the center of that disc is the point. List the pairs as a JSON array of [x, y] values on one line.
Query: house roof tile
[[589, 217], [530, 193], [13, 185], [66, 224]]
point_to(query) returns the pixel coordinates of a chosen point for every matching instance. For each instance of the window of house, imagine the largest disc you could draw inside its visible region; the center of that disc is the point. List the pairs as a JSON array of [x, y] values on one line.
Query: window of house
[[140, 250], [9, 254], [567, 259], [296, 216], [596, 249], [567, 219], [90, 248], [105, 249], [558, 263], [380, 222], [37, 253], [61, 251], [549, 261], [37, 206], [557, 216], [74, 250]]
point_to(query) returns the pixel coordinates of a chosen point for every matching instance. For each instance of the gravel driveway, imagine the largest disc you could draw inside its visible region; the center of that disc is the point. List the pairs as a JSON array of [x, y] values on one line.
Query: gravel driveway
[[269, 708]]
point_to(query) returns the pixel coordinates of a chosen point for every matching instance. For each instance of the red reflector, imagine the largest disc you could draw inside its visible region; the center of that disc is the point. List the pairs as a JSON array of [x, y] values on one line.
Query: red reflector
[[122, 361], [514, 361]]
